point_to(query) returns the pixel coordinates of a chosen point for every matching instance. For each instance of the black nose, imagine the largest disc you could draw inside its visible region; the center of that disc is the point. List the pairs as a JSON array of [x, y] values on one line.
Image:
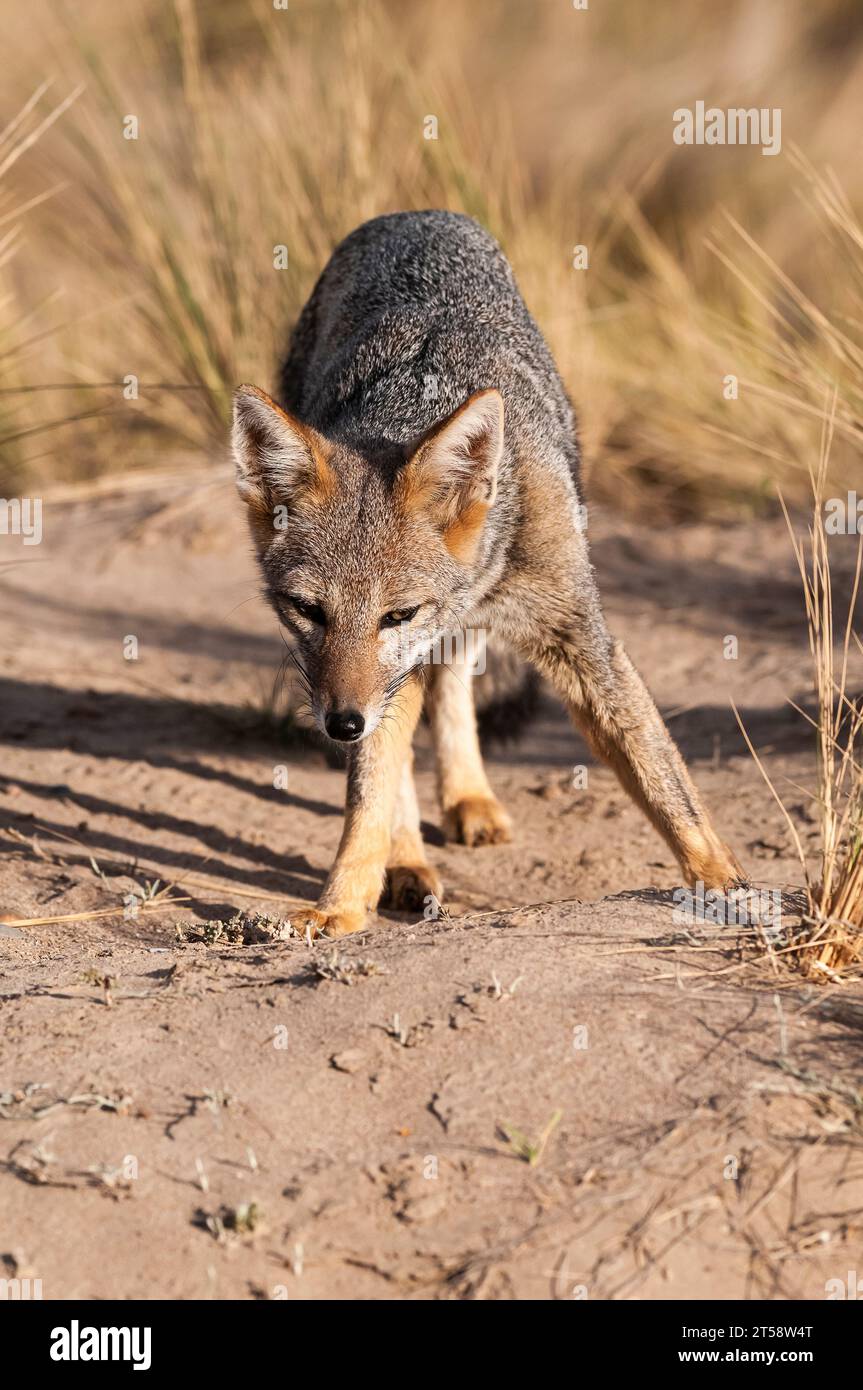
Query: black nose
[[346, 725]]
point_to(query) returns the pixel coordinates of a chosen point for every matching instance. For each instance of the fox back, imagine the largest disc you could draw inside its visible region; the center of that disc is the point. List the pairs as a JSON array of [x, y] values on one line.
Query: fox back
[[414, 313]]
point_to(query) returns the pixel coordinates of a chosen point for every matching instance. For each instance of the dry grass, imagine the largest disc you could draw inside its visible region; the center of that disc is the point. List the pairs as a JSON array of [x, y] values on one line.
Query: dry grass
[[20, 133], [828, 944], [834, 925], [260, 128]]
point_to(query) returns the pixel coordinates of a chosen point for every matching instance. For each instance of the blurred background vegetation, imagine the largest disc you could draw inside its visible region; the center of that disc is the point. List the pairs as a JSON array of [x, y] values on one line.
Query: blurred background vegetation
[[261, 127]]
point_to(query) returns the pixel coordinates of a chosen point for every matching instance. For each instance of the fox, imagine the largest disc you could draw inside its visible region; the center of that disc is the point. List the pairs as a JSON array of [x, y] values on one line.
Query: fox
[[417, 479]]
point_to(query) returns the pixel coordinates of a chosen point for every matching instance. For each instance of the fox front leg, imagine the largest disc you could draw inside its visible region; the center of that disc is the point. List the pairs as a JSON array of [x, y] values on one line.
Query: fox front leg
[[471, 811], [412, 883], [354, 884]]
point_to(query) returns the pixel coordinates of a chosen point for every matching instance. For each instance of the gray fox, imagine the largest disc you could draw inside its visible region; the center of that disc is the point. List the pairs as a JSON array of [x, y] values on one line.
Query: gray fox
[[416, 483]]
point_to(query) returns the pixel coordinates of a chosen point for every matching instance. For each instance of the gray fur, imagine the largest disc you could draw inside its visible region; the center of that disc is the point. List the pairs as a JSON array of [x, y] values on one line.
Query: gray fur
[[408, 299]]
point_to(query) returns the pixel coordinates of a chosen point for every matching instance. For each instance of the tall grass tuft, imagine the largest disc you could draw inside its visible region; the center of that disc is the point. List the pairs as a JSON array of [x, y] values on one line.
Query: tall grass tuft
[[832, 938], [17, 338]]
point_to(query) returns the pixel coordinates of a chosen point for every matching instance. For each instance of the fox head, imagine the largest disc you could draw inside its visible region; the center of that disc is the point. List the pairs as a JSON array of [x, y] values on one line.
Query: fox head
[[367, 562]]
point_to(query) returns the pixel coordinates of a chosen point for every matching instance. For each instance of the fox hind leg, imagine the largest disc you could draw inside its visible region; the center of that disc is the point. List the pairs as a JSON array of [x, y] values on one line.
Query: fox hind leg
[[472, 814], [610, 703]]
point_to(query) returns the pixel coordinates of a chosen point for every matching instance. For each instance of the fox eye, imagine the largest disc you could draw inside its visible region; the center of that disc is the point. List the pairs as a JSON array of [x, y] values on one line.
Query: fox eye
[[399, 616], [313, 611]]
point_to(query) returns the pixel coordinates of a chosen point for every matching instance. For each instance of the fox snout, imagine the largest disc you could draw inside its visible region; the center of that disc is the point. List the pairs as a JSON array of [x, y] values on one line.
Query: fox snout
[[348, 692], [344, 726]]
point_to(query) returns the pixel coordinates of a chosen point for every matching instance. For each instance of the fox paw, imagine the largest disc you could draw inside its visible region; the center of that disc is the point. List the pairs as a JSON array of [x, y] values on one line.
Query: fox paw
[[478, 820], [310, 920], [409, 886], [707, 859]]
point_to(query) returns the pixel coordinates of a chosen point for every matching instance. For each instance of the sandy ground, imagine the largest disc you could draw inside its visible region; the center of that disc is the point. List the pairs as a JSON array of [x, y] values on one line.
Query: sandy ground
[[279, 1120]]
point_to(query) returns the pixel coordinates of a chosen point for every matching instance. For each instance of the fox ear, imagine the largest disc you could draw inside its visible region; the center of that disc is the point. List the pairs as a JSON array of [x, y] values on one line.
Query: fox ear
[[452, 473], [277, 456]]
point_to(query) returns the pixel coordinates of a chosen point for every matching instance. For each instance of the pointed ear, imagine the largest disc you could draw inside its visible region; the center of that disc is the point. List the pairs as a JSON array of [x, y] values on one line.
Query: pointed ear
[[278, 458], [452, 473]]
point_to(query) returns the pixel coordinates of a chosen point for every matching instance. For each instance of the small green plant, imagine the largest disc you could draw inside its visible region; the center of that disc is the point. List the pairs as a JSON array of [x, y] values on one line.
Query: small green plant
[[243, 1220], [531, 1150]]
